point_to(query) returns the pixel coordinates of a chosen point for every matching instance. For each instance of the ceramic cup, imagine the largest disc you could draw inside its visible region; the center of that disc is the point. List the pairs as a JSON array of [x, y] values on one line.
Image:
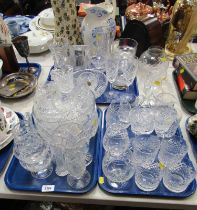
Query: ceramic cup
[[14, 28]]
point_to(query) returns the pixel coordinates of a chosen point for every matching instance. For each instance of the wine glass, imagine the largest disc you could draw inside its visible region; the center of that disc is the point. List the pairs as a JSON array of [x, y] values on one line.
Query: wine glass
[[22, 46]]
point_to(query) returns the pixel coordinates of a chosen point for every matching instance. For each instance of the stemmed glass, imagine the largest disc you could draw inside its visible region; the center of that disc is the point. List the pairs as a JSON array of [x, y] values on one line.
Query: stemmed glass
[[31, 150], [22, 46], [78, 176]]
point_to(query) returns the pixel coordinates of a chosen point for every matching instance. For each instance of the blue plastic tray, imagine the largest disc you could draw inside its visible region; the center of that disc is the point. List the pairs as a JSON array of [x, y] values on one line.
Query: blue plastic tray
[[35, 65], [4, 155], [49, 76], [131, 188], [104, 99], [17, 178], [6, 152], [131, 90], [192, 140]]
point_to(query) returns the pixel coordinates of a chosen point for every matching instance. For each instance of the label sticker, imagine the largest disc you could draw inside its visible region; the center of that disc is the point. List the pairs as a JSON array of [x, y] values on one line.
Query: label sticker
[[12, 85], [157, 83], [161, 166], [101, 180], [94, 122], [12, 89], [163, 59], [48, 188], [182, 70], [98, 37]]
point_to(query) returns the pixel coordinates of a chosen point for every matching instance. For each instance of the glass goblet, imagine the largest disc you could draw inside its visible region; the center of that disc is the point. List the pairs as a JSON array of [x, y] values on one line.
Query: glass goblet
[[78, 177], [22, 46], [39, 164], [31, 150]]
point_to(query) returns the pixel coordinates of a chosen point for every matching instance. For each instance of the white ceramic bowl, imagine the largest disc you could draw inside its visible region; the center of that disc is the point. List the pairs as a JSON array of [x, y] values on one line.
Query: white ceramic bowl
[[38, 41], [47, 17]]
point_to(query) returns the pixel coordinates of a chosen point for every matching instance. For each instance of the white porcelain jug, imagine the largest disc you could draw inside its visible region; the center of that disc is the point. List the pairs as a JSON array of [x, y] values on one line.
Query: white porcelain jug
[[99, 15]]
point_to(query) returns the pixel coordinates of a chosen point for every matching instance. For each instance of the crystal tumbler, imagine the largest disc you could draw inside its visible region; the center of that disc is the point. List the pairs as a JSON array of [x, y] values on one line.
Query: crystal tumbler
[[145, 149], [148, 177], [118, 169], [178, 177], [142, 120], [116, 142], [172, 150]]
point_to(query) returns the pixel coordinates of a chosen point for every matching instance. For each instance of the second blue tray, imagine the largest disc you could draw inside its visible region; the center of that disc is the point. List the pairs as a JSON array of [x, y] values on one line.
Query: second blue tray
[[4, 155], [131, 188], [17, 178], [192, 140], [131, 91], [35, 65], [6, 152]]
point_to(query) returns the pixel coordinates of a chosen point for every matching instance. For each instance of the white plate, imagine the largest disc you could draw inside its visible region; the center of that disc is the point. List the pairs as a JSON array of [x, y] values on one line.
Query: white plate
[[40, 25], [34, 25], [11, 120], [38, 41], [47, 17]]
